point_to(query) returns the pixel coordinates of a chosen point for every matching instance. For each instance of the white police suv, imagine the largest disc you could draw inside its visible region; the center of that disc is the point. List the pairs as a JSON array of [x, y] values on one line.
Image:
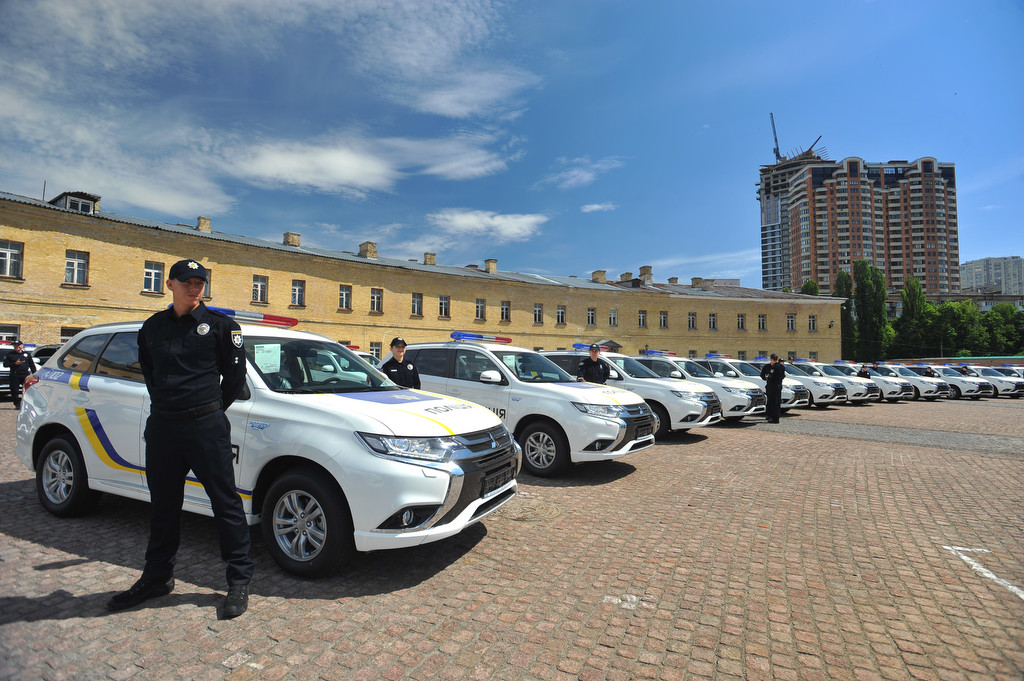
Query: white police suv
[[891, 388], [330, 456], [739, 398], [557, 420], [824, 390], [925, 387], [794, 394], [858, 389], [1005, 386], [679, 405], [959, 385]]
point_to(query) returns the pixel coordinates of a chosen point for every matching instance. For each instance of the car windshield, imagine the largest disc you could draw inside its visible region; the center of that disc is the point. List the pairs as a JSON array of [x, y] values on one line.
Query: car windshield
[[694, 369], [904, 371], [793, 371], [532, 367], [304, 365], [632, 368], [888, 371], [989, 372], [946, 371], [745, 369], [830, 370]]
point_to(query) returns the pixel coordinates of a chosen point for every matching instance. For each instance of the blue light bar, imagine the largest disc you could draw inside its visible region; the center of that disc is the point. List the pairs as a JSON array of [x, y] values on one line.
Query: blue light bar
[[586, 346], [761, 358], [468, 336], [660, 353]]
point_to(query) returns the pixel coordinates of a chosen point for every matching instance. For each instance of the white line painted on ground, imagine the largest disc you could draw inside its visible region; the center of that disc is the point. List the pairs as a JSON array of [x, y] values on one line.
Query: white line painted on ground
[[984, 571]]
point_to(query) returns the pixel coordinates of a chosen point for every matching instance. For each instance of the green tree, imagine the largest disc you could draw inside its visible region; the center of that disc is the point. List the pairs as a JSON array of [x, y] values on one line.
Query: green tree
[[913, 328], [869, 294], [960, 329], [810, 288], [1005, 326], [843, 288]]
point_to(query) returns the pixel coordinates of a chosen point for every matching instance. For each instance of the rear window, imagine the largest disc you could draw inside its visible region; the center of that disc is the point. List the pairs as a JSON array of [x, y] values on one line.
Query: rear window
[[83, 354]]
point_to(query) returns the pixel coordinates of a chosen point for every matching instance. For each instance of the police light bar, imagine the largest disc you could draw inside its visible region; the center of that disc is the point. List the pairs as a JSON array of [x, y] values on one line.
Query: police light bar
[[840, 361], [586, 346], [352, 347], [257, 317], [660, 353], [760, 358], [467, 336], [800, 359]]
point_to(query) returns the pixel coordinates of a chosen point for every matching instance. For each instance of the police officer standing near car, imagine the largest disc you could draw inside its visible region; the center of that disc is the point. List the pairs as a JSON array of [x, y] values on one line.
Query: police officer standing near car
[[397, 369], [591, 368], [773, 374], [193, 361], [21, 365]]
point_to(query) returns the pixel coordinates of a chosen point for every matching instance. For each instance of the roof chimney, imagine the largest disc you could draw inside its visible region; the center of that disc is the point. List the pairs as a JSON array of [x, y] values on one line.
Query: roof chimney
[[368, 249], [673, 280], [203, 224], [491, 265], [646, 275], [626, 276], [696, 282], [292, 239], [598, 276], [430, 258]]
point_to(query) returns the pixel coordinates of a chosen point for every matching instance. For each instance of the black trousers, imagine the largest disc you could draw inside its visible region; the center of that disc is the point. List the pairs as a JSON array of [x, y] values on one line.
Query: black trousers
[[204, 445], [15, 383], [773, 409]]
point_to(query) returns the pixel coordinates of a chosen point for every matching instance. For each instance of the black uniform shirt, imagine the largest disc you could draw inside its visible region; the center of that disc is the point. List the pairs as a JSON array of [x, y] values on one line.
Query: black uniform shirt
[[773, 375], [26, 367], [402, 373], [593, 371], [183, 358]]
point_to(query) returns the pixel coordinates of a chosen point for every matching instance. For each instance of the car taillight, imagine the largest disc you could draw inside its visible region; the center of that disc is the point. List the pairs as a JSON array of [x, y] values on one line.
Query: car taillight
[[29, 382]]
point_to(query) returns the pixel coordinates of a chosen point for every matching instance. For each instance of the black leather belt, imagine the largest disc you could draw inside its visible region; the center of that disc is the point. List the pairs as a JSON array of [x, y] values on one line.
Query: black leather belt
[[183, 414]]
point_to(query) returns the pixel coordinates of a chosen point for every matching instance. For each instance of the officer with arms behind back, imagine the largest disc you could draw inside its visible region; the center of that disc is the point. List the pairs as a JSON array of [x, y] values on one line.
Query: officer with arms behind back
[[194, 364], [773, 375], [21, 365], [591, 368], [397, 369]]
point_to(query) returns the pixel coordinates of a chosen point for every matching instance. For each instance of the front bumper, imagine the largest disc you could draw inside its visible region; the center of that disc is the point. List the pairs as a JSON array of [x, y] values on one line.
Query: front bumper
[[635, 432]]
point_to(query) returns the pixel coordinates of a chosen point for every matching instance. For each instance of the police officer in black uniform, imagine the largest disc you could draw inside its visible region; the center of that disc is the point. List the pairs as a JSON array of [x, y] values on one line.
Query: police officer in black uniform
[[397, 369], [21, 365], [194, 364], [773, 374], [591, 368]]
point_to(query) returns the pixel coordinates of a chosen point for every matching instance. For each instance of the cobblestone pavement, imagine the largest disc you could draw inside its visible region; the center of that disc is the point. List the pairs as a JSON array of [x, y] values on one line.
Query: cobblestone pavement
[[883, 541]]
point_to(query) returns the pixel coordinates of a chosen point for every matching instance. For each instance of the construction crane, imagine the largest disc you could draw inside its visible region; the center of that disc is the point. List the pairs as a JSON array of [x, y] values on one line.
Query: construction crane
[[778, 156]]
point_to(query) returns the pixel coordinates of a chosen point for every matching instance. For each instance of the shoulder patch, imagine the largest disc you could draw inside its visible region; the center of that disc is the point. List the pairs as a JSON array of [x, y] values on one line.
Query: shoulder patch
[[236, 338]]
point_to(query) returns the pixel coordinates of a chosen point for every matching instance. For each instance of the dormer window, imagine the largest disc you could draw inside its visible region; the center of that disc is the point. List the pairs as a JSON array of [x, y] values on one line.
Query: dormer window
[[79, 205], [79, 202]]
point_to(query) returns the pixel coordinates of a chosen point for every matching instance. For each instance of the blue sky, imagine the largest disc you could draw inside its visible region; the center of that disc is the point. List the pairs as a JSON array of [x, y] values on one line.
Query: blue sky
[[557, 136]]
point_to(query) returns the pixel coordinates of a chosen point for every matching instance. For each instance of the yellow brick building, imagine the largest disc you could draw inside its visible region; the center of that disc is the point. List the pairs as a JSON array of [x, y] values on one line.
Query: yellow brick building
[[66, 265]]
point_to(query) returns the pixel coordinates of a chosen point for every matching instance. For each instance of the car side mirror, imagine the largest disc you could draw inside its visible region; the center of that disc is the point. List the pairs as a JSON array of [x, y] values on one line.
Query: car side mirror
[[675, 374], [490, 376], [614, 374], [730, 374]]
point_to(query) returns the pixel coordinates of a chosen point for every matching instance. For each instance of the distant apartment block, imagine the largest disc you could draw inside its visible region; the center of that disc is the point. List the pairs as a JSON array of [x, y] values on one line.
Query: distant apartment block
[[1000, 275], [820, 216]]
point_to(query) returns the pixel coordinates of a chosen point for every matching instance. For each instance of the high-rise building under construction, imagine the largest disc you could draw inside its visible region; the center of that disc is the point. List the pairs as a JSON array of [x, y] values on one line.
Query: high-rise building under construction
[[820, 216]]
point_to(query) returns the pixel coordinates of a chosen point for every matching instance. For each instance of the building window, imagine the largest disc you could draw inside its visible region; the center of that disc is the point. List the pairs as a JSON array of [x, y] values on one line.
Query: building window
[[153, 277], [11, 255], [80, 205], [376, 300], [741, 322], [506, 310], [641, 319], [762, 322], [76, 267], [444, 306], [481, 309], [762, 354], [344, 297], [9, 332], [591, 316], [692, 354], [613, 317], [417, 305], [560, 314], [663, 319], [375, 349], [69, 332], [298, 292], [712, 321], [812, 322], [538, 313], [812, 355], [791, 322], [260, 288], [741, 354]]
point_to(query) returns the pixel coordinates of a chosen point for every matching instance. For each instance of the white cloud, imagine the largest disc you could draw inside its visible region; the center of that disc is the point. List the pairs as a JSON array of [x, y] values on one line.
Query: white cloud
[[598, 207], [496, 227], [580, 172]]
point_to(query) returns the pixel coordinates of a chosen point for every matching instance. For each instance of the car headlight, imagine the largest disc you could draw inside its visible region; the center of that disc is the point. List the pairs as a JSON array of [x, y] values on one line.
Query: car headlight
[[730, 390], [822, 384], [870, 384], [429, 448], [696, 397], [608, 411]]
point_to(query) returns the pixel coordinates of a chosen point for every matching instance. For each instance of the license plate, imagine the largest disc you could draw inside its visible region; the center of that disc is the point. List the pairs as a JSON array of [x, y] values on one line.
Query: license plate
[[495, 480]]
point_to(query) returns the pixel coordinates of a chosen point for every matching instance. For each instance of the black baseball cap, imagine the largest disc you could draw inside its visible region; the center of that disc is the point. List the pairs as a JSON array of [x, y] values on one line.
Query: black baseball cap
[[397, 340], [594, 347], [774, 356], [183, 270]]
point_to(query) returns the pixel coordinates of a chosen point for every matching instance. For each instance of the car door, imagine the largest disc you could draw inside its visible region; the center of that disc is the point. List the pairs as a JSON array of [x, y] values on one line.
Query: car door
[[464, 383], [109, 409], [432, 366]]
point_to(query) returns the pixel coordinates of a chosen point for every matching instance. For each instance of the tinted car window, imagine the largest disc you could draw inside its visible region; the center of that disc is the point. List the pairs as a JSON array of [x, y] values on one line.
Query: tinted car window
[[432, 361], [469, 364], [121, 357], [569, 363], [83, 354]]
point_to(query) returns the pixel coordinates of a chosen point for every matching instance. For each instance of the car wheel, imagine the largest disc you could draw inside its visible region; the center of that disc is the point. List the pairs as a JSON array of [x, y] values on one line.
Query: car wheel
[[917, 393], [545, 449], [306, 524], [62, 483], [954, 392], [664, 425]]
